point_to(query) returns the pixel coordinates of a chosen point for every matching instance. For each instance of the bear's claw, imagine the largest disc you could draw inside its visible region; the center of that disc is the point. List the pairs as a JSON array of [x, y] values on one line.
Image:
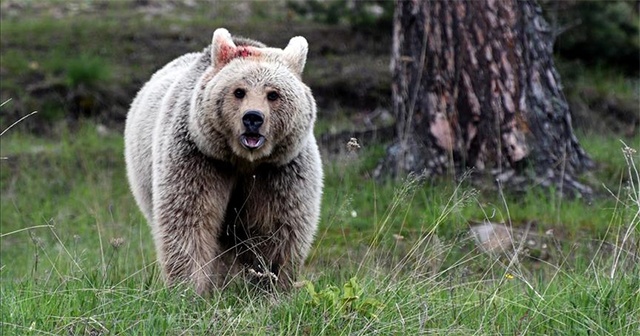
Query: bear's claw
[[267, 274]]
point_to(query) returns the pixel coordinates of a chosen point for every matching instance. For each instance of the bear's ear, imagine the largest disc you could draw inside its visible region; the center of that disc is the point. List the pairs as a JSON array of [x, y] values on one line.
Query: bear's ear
[[295, 54], [223, 49]]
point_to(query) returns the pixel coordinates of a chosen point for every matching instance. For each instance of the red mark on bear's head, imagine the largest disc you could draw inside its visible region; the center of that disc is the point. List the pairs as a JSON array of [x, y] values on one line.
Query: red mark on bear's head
[[245, 52], [227, 53]]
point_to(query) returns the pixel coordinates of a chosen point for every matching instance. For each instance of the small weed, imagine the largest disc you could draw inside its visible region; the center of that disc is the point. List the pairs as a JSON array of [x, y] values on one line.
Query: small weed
[[87, 70], [346, 301]]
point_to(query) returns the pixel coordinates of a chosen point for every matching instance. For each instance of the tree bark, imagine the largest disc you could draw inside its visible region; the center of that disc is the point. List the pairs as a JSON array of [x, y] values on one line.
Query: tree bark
[[475, 87]]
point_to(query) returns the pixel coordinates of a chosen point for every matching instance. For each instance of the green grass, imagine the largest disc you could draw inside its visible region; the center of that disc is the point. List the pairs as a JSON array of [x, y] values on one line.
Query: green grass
[[77, 257], [607, 152]]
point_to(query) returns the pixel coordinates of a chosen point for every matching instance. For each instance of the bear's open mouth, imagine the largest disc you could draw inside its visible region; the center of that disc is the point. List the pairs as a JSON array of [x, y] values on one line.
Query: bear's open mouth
[[252, 140]]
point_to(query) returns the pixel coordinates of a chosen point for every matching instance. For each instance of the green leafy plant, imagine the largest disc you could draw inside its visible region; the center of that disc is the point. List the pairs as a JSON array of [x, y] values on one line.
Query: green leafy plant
[[596, 32], [346, 301]]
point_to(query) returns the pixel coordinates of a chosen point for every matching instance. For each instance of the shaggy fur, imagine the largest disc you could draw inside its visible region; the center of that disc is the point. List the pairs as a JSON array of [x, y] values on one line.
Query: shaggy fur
[[217, 202]]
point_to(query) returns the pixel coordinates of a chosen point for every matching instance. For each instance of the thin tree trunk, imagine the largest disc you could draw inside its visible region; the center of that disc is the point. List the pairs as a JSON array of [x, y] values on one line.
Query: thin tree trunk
[[475, 86]]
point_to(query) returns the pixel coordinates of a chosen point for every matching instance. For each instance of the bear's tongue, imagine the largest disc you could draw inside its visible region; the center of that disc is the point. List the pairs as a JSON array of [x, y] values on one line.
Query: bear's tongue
[[252, 141]]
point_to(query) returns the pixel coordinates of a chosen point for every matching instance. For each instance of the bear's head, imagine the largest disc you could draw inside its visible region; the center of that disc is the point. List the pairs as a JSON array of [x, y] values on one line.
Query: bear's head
[[251, 103]]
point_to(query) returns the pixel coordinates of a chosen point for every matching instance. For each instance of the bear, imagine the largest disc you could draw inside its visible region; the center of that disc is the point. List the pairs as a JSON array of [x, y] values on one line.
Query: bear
[[223, 163]]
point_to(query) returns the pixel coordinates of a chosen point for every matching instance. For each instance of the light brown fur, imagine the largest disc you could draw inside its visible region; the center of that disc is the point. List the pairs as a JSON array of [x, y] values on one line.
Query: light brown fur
[[214, 205]]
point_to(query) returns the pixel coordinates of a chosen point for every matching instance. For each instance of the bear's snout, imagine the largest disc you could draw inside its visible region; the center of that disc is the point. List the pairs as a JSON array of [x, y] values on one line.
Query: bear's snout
[[252, 121], [252, 139]]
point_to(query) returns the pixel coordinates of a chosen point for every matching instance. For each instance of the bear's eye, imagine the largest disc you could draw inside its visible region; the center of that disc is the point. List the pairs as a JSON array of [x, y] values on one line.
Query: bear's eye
[[273, 96], [239, 93]]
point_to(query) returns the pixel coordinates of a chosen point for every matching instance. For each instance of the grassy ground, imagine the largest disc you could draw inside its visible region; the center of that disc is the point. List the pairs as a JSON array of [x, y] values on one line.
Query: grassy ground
[[390, 258], [76, 256]]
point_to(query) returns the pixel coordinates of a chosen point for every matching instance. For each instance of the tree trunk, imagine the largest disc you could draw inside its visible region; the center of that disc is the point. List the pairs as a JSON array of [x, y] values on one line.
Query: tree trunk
[[475, 87]]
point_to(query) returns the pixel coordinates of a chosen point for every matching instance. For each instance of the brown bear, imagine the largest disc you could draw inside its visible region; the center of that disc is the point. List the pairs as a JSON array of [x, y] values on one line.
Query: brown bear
[[222, 161]]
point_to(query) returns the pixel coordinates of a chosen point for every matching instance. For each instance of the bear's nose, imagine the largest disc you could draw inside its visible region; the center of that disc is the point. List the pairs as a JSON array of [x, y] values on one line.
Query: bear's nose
[[252, 120]]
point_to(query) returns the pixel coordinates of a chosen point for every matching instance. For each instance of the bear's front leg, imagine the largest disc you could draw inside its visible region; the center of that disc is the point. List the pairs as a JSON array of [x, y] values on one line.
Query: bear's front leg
[[190, 198], [272, 268], [277, 255], [284, 208]]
